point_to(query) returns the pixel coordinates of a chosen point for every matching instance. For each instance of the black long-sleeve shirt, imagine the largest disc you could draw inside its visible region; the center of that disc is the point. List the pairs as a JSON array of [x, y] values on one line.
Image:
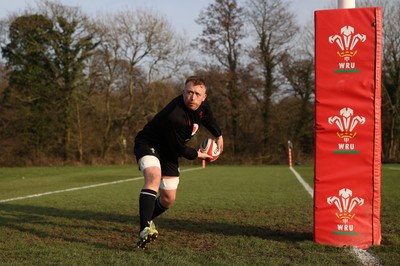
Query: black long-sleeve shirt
[[171, 128]]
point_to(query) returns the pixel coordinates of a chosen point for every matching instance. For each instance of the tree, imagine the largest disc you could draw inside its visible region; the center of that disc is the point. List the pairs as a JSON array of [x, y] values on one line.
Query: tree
[[391, 82], [274, 28], [31, 81], [138, 48], [299, 73], [72, 45], [221, 39], [298, 70], [47, 51]]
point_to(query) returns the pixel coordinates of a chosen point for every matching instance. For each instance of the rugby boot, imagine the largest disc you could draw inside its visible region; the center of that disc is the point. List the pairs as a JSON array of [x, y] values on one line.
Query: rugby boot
[[147, 235]]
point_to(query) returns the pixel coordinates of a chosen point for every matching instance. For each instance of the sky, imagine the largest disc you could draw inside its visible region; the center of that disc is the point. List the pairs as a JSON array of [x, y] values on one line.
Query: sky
[[180, 13]]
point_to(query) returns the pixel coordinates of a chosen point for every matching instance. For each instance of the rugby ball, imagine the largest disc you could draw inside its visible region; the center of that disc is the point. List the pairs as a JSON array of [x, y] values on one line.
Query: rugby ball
[[210, 147]]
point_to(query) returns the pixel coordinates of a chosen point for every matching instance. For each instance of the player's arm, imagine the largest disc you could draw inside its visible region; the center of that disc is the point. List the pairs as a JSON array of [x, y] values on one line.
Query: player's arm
[[210, 123], [220, 143]]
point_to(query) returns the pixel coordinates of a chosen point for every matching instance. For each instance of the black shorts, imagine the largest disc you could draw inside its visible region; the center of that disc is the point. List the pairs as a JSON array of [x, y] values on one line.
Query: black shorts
[[169, 165]]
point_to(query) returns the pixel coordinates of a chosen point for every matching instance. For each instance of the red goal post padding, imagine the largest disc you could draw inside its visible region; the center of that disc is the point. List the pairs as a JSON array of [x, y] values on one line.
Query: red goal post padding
[[348, 127]]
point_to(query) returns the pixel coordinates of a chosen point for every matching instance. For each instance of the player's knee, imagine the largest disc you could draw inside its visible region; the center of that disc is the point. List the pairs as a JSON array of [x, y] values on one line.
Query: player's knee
[[167, 200], [152, 179], [168, 187]]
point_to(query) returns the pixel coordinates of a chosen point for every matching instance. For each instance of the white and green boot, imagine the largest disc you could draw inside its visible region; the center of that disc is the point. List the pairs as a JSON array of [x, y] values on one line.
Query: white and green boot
[[148, 234]]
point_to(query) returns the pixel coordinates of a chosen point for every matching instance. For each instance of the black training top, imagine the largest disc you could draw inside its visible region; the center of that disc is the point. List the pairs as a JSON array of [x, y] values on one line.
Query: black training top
[[175, 125]]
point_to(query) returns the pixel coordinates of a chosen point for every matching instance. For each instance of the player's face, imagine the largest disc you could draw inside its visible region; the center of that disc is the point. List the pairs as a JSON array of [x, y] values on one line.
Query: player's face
[[194, 95]]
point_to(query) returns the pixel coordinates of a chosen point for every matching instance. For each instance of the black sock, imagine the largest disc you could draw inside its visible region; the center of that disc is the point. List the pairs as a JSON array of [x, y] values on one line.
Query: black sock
[[158, 209], [146, 206]]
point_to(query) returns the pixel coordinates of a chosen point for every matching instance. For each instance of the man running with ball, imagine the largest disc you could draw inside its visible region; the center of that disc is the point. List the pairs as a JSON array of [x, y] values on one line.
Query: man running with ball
[[159, 145]]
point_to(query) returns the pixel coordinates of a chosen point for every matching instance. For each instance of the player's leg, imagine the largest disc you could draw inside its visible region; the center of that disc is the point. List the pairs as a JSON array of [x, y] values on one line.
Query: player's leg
[[168, 188], [168, 185], [151, 169], [148, 195]]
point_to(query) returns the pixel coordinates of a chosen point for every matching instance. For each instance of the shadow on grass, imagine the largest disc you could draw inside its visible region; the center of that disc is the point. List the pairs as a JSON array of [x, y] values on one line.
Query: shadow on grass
[[98, 229], [117, 231], [231, 229]]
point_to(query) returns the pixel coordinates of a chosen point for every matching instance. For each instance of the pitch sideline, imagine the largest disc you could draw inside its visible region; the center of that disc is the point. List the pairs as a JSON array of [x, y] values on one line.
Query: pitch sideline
[[363, 255], [81, 188]]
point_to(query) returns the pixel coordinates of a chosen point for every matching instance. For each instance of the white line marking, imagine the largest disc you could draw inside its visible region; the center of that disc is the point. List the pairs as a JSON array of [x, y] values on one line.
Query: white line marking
[[70, 189], [365, 258], [392, 168], [304, 183], [80, 188]]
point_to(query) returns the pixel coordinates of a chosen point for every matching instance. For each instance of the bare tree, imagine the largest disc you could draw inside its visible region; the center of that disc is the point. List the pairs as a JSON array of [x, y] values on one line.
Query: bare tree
[[274, 28], [137, 48], [391, 81], [299, 73], [221, 38]]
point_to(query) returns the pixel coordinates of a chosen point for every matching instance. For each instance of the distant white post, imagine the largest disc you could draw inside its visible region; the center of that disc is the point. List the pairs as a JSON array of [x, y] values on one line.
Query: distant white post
[[290, 147], [346, 3]]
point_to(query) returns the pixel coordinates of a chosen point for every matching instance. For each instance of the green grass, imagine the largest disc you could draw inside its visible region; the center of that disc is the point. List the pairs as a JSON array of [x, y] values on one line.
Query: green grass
[[223, 215]]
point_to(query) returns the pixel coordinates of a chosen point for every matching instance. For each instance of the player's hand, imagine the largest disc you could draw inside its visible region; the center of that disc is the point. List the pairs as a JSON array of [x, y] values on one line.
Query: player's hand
[[220, 143], [203, 156]]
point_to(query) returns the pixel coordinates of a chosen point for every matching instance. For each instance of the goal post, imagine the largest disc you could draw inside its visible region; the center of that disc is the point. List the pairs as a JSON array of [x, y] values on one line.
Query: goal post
[[347, 176]]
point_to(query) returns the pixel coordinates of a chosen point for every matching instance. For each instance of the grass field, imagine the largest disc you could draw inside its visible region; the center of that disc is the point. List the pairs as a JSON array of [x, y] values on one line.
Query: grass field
[[223, 215]]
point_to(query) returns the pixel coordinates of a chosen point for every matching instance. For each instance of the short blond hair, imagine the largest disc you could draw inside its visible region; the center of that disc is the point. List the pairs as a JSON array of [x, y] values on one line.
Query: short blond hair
[[196, 80]]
